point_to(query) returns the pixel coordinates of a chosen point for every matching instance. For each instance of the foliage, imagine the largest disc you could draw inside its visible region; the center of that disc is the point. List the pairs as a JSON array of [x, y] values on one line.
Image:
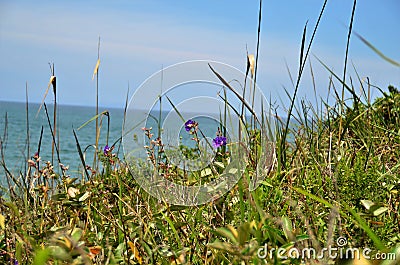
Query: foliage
[[336, 176]]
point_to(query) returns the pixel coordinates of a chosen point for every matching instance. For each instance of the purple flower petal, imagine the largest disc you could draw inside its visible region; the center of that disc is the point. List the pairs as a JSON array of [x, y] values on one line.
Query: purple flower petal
[[106, 150], [189, 125], [219, 141]]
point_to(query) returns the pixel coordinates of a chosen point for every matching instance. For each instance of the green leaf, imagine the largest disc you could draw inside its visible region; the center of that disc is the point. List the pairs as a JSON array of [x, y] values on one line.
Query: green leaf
[[205, 172], [223, 246], [13, 207], [228, 233], [379, 211], [172, 226], [84, 196], [302, 237], [395, 252], [76, 234], [177, 111], [18, 250], [59, 196], [287, 227], [378, 52], [265, 183], [367, 204], [41, 256], [378, 243], [233, 170], [92, 119], [219, 164], [2, 222], [244, 232], [356, 217]]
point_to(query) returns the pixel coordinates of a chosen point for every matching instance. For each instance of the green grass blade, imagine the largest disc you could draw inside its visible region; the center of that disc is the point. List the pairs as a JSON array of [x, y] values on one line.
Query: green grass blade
[[92, 119], [378, 52], [356, 217]]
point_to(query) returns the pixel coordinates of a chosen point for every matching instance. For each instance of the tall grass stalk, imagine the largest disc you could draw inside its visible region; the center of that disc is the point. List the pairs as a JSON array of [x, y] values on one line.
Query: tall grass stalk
[[345, 67], [96, 73], [28, 150], [53, 138], [302, 61], [257, 54]]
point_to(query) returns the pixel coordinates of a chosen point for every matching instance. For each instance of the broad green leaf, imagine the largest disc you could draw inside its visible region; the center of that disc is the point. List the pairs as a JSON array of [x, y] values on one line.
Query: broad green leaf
[[41, 256], [367, 204], [379, 211]]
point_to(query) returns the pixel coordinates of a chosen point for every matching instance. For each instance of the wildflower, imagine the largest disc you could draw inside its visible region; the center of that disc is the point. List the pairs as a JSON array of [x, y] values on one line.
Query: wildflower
[[107, 150], [190, 124], [31, 163], [219, 141]]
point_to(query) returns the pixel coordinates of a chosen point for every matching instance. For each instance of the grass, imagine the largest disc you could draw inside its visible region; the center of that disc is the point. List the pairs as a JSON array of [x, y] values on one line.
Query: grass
[[336, 176]]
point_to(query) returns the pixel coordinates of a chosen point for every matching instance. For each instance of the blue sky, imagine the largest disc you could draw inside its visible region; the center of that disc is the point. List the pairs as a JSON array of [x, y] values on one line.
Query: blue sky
[[138, 38]]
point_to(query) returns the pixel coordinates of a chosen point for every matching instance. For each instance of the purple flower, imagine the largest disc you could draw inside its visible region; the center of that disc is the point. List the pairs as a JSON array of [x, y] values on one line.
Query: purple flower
[[106, 150], [189, 125], [16, 262], [219, 141]]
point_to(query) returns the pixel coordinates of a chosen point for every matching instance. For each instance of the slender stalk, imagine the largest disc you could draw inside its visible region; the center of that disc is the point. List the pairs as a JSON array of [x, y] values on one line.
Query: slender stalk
[[78, 146], [107, 113], [28, 151], [38, 149], [54, 84], [3, 162], [124, 120], [52, 134], [345, 69], [257, 54], [160, 115], [302, 65], [97, 107]]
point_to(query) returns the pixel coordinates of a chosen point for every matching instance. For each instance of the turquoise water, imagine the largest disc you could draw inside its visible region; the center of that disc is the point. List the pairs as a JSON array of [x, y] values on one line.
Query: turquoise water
[[13, 133], [14, 139], [15, 145]]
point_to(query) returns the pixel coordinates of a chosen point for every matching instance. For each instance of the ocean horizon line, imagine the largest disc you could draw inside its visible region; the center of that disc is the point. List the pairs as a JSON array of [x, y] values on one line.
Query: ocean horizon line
[[60, 104]]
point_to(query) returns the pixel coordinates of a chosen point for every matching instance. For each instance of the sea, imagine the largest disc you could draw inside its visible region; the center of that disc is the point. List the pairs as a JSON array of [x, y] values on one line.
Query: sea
[[20, 132], [21, 137]]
